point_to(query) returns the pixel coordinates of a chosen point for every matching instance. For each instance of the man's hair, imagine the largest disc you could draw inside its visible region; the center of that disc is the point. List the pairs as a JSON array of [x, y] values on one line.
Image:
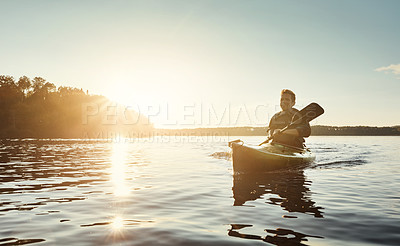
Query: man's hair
[[291, 93]]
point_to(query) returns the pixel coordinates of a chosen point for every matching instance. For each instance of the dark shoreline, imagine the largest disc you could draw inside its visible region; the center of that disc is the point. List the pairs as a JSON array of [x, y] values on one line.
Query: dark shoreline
[[261, 131], [222, 131]]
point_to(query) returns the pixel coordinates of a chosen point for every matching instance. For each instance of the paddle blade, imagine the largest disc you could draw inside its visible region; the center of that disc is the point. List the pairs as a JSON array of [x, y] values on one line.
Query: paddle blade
[[312, 111]]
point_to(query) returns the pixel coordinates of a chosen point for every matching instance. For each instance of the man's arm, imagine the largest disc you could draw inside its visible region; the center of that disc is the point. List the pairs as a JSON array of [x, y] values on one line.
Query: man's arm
[[300, 130], [303, 129], [271, 127], [293, 132]]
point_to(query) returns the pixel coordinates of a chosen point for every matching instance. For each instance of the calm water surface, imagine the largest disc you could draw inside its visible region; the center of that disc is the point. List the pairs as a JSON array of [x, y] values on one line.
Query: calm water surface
[[181, 191]]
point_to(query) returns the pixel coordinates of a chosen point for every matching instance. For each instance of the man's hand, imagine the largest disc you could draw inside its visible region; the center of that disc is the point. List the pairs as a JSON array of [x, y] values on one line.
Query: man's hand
[[276, 132]]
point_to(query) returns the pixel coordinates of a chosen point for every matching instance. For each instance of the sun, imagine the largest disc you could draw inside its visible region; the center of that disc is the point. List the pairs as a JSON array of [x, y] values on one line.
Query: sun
[[149, 103], [129, 94], [121, 94]]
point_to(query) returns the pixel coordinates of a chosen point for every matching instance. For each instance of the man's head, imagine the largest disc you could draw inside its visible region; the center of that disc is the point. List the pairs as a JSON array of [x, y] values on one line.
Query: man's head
[[288, 99]]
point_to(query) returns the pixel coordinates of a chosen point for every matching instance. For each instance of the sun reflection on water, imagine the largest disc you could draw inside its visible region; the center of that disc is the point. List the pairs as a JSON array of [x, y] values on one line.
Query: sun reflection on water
[[116, 232], [118, 169], [118, 223]]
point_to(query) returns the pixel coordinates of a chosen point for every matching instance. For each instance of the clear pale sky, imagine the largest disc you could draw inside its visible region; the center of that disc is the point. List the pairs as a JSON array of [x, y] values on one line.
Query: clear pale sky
[[202, 58]]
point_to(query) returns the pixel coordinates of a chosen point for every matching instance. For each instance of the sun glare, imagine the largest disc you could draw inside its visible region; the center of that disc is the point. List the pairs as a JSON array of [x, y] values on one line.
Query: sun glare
[[122, 95], [118, 223], [118, 169], [116, 229], [131, 94]]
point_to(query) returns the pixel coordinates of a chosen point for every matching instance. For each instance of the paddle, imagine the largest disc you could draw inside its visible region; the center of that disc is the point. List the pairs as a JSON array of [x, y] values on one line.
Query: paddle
[[310, 112]]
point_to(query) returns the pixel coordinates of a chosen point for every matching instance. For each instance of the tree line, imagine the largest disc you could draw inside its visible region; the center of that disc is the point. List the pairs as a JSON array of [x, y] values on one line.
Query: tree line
[[37, 108], [262, 131]]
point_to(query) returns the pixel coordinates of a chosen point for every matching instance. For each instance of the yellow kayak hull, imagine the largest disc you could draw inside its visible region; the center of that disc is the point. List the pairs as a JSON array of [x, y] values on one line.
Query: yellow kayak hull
[[267, 157]]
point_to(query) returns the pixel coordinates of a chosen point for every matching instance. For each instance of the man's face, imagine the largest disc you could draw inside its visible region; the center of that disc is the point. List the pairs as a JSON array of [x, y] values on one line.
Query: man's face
[[286, 102]]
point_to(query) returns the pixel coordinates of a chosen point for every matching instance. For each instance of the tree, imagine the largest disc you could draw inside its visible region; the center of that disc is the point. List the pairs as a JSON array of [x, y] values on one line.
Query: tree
[[37, 108], [38, 83], [6, 80], [10, 95], [24, 84], [50, 87]]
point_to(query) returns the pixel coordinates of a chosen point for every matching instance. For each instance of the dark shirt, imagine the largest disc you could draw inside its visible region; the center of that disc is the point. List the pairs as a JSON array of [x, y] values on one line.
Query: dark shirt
[[283, 119]]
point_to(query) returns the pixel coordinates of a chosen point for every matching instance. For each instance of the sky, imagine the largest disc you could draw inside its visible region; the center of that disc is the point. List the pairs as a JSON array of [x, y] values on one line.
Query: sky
[[187, 63]]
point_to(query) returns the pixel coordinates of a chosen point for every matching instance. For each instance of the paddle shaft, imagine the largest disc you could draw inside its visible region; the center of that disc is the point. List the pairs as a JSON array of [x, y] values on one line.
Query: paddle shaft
[[282, 130]]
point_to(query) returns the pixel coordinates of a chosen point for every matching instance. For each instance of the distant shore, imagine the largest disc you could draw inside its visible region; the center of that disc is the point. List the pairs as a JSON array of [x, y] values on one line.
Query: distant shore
[[218, 132], [37, 109], [261, 131]]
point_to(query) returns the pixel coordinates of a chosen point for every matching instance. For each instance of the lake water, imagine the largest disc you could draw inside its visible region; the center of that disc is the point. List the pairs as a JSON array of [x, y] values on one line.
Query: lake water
[[182, 191]]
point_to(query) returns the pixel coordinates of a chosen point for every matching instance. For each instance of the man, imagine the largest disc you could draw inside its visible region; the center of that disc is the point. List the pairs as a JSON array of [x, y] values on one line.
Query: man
[[294, 135]]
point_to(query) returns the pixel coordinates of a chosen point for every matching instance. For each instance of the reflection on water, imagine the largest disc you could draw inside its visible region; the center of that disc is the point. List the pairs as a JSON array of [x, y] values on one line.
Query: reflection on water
[[16, 241], [37, 176], [42, 172], [291, 188], [118, 169], [34, 167], [117, 223], [280, 236], [287, 189], [75, 192]]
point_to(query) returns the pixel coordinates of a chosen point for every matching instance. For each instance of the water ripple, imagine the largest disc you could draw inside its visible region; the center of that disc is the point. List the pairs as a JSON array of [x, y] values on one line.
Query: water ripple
[[76, 192], [16, 241]]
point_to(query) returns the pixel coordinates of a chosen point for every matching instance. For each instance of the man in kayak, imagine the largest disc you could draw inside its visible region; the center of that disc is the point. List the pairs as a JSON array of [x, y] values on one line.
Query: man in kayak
[[294, 135]]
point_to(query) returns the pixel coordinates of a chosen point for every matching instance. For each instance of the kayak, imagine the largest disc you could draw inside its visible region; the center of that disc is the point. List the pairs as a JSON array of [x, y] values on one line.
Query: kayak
[[267, 157]]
